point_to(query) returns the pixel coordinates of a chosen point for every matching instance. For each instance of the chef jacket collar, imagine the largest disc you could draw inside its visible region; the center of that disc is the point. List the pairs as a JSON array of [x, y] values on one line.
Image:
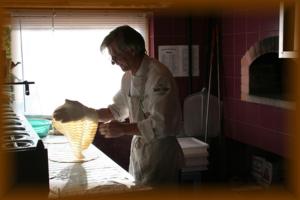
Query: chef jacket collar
[[143, 69]]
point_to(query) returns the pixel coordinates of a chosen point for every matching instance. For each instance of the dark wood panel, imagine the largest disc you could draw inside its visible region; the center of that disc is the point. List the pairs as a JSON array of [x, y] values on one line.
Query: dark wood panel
[[118, 149]]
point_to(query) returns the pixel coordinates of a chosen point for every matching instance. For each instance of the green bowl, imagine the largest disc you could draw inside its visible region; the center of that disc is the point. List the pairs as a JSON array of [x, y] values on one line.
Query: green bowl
[[41, 126]]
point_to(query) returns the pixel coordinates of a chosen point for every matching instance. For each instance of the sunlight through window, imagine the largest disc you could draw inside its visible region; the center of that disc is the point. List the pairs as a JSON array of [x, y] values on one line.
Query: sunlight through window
[[64, 64]]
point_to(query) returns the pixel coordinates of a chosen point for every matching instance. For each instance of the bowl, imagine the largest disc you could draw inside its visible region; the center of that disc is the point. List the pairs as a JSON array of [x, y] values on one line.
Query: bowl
[[40, 126]]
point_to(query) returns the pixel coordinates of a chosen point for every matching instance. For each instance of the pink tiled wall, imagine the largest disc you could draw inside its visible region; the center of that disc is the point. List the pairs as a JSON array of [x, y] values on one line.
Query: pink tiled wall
[[258, 125], [171, 29]]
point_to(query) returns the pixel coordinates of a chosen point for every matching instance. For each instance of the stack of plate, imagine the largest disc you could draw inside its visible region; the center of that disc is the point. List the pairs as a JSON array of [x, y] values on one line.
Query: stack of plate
[[195, 154]]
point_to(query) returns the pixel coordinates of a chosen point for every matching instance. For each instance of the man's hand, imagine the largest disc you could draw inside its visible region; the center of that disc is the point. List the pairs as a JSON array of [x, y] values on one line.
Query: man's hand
[[69, 111], [112, 129], [73, 111], [115, 129]]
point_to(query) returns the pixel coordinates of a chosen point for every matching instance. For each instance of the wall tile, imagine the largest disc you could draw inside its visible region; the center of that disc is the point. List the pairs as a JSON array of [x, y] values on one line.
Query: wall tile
[[273, 118], [265, 34], [230, 128], [270, 22], [240, 43], [252, 112], [254, 124], [237, 65], [274, 141], [163, 26], [228, 44], [252, 23], [240, 111], [239, 24], [229, 87], [230, 109], [181, 40], [228, 65], [251, 39], [181, 26], [228, 24], [237, 88], [249, 123], [200, 31], [248, 134]]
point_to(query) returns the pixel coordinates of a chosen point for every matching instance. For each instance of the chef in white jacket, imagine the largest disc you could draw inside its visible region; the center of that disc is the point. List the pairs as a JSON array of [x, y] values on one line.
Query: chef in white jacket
[[149, 98]]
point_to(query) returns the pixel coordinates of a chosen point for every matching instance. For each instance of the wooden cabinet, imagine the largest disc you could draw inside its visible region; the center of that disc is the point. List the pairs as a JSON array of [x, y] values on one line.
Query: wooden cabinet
[[118, 149]]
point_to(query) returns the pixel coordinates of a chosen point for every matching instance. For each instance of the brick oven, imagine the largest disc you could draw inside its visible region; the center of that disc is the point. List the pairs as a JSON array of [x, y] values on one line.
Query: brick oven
[[264, 76], [257, 100]]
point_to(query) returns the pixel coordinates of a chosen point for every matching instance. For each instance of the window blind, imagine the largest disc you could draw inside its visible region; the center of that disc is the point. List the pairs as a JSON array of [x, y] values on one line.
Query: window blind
[[77, 19], [80, 19]]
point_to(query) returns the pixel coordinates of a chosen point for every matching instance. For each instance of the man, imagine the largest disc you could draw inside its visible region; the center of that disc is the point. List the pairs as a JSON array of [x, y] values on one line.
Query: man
[[149, 97]]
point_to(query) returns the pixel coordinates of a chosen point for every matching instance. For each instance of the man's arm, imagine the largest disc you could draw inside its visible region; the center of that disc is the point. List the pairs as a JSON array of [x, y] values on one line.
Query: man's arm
[[115, 129], [104, 114]]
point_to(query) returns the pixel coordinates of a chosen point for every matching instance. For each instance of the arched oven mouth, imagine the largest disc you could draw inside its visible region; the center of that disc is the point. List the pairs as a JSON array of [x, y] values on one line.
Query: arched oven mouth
[[265, 76]]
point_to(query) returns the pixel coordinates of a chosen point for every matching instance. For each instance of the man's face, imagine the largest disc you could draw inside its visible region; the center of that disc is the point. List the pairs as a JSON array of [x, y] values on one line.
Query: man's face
[[119, 58]]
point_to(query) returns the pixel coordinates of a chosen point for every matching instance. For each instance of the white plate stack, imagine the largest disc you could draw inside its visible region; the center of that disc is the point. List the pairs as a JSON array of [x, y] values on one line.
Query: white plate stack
[[195, 154]]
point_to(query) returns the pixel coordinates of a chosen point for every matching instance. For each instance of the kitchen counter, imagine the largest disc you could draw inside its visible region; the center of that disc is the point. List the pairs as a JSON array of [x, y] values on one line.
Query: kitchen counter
[[97, 174]]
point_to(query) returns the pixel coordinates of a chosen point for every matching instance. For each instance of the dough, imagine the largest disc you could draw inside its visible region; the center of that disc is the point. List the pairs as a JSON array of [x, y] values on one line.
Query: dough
[[80, 134]]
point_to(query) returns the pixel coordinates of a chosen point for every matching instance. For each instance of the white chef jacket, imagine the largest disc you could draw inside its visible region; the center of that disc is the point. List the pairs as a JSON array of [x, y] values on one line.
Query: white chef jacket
[[150, 98]]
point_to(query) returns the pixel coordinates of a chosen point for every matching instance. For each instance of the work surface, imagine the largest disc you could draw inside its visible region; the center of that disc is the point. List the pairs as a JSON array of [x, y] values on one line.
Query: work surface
[[97, 174]]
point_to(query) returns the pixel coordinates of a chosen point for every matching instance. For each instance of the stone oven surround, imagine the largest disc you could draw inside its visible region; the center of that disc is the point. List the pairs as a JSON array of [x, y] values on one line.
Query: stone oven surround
[[261, 48]]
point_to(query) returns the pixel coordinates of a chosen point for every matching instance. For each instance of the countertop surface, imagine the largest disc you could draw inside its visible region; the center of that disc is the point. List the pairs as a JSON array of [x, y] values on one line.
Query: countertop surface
[[97, 173]]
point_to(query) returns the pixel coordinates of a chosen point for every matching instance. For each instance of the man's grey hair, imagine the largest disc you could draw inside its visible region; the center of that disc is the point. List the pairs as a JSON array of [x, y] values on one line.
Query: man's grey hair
[[126, 39]]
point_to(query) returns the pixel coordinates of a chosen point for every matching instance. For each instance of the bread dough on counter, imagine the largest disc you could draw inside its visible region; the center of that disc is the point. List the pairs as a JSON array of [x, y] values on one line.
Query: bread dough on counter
[[80, 135]]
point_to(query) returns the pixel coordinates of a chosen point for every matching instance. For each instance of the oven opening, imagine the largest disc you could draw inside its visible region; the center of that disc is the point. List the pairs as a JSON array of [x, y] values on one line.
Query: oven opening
[[265, 76], [269, 77]]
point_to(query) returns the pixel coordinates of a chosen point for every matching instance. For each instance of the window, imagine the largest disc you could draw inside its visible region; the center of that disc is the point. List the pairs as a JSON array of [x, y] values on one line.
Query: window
[[288, 29], [60, 52]]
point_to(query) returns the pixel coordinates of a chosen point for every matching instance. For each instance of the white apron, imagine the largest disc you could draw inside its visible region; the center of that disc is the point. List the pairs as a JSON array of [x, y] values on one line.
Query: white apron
[[155, 162]]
